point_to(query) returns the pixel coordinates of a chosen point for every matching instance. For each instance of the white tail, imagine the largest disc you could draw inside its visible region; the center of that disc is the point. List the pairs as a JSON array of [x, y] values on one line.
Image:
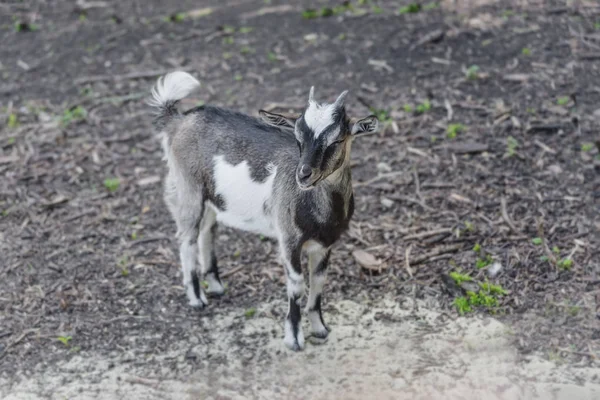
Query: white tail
[[172, 87]]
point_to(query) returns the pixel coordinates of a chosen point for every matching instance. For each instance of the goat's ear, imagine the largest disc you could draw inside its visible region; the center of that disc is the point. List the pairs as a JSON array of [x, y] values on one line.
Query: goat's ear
[[365, 125], [278, 120]]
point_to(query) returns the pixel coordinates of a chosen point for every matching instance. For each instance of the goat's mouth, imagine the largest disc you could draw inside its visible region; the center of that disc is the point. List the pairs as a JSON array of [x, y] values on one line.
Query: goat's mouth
[[310, 184]]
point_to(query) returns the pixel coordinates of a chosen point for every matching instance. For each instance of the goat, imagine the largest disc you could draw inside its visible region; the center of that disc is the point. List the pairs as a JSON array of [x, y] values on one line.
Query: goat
[[261, 176]]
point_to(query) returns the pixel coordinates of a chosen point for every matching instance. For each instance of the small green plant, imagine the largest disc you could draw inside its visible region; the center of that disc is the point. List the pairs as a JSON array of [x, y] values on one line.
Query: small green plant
[[565, 264], [511, 146], [247, 50], [11, 140], [408, 108], [556, 250], [22, 26], [341, 36], [246, 29], [204, 284], [272, 56], [562, 101], [493, 289], [249, 313], [585, 147], [375, 9], [459, 277], [453, 130], [472, 73], [484, 262], [537, 241], [112, 184], [410, 9], [481, 299], [382, 115], [469, 226], [508, 13], [177, 17], [82, 17], [324, 12], [64, 339], [73, 115], [424, 107], [237, 253], [13, 121], [238, 77], [134, 235], [228, 40], [477, 248], [597, 25], [526, 51], [430, 6], [228, 29], [574, 310], [462, 305]]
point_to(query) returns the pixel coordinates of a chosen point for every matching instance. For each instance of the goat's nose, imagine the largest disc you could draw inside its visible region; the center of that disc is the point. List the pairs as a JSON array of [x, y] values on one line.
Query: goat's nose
[[304, 172]]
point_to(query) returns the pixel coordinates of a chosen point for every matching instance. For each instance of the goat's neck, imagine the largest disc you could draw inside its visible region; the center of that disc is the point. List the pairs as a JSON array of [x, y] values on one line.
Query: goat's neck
[[339, 181]]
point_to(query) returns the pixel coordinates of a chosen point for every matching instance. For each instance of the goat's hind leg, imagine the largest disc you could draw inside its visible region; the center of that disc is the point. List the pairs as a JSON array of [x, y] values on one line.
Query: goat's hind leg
[[188, 216], [207, 258]]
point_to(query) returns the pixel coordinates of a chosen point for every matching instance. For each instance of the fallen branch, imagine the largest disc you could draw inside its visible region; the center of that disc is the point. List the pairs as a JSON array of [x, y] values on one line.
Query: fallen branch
[[427, 234], [233, 271], [436, 252], [505, 215]]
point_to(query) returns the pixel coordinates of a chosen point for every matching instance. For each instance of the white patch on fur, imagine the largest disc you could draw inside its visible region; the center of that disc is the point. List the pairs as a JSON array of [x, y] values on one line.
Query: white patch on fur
[[319, 116], [173, 87], [244, 198], [289, 340]]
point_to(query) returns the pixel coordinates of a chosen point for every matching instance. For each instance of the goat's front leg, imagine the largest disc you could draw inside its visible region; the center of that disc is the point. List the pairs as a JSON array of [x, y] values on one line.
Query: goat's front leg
[[318, 259], [290, 254]]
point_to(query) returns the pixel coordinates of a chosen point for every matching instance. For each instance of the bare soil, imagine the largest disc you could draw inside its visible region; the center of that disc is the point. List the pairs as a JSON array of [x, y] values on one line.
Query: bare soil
[[506, 156]]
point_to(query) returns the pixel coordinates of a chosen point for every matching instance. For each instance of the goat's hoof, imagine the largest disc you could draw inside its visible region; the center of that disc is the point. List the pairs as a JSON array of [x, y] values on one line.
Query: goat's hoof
[[198, 304], [319, 337], [215, 291], [291, 342], [295, 346]]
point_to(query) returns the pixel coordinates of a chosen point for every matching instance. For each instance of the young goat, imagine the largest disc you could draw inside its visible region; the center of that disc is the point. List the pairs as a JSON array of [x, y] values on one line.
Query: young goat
[[258, 176]]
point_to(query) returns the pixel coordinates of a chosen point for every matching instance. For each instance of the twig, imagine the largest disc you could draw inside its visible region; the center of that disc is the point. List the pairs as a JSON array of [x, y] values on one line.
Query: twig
[[436, 252], [406, 260], [233, 271], [449, 110], [427, 234], [18, 340], [549, 254], [505, 215], [142, 381]]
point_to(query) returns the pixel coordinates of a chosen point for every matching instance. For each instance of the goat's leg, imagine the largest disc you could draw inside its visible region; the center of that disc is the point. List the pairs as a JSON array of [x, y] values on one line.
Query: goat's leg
[[290, 254], [318, 259], [189, 218], [208, 260]]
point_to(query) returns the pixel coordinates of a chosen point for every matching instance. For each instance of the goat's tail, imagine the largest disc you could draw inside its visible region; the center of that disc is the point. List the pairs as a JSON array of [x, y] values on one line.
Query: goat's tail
[[167, 92]]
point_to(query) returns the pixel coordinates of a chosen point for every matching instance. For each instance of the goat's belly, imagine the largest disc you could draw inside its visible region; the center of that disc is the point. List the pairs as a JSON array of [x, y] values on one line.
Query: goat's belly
[[256, 223]]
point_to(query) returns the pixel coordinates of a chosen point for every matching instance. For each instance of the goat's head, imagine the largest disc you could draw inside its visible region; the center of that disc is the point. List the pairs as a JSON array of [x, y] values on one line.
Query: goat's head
[[324, 137]]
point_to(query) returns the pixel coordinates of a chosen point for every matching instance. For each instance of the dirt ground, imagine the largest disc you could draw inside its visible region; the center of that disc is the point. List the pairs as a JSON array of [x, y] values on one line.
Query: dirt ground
[[488, 165]]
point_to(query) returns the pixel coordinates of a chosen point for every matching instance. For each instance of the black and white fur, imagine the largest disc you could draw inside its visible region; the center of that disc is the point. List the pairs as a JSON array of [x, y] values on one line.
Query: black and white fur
[[284, 178]]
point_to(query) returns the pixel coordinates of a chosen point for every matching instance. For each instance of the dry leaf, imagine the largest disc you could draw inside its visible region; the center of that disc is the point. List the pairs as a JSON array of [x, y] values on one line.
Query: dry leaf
[[366, 260]]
